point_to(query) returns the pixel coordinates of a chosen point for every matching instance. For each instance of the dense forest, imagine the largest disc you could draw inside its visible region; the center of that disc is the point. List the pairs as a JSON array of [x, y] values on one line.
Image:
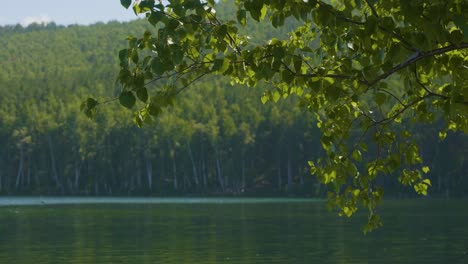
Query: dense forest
[[217, 139]]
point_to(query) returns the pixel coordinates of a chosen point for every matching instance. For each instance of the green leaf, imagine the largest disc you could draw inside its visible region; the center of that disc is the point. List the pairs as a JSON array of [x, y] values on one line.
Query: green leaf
[[89, 107], [127, 99], [425, 169], [241, 17], [126, 3], [123, 55], [456, 37], [347, 211], [356, 155], [154, 108], [442, 135], [329, 177], [380, 98], [134, 56], [287, 76], [142, 94], [277, 19], [427, 182], [373, 223], [177, 54], [220, 65], [297, 64], [276, 96], [138, 120], [157, 66], [421, 188]]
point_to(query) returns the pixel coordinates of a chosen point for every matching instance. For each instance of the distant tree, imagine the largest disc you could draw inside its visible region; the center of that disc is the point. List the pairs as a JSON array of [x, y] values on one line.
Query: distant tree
[[367, 69]]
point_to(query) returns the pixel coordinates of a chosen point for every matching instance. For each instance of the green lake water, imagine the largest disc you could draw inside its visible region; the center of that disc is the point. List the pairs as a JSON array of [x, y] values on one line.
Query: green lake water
[[110, 230]]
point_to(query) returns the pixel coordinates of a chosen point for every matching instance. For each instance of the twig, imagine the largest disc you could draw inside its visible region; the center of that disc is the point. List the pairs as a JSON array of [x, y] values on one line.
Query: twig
[[394, 116], [374, 12], [429, 92], [392, 95], [192, 81]]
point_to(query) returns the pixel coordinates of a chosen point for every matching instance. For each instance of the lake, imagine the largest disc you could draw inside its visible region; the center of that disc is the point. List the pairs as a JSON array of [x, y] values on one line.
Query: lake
[[151, 230]]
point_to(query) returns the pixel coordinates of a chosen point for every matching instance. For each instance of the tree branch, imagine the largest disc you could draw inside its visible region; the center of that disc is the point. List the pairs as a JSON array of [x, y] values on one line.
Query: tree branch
[[374, 12], [417, 57], [431, 93], [402, 110], [392, 95], [405, 43]]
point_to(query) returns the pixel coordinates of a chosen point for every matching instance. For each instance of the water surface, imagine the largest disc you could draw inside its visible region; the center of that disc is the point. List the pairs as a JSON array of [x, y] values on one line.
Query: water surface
[[110, 230]]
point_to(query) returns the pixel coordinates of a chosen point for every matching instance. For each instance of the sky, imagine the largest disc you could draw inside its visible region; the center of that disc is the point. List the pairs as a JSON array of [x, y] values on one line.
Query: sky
[[62, 12]]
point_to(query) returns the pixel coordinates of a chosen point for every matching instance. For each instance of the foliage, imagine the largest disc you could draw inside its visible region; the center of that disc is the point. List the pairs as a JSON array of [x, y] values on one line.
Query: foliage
[[342, 58], [221, 141]]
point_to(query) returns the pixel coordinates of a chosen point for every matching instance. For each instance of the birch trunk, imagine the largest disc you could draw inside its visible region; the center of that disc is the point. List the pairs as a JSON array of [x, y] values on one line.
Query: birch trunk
[[54, 166], [174, 171], [219, 171], [174, 167], [77, 176], [149, 173], [280, 180], [290, 179], [243, 175], [203, 168], [20, 168], [194, 168]]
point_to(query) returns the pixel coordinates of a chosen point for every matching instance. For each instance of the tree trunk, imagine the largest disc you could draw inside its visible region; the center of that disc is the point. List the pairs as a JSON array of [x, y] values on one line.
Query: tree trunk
[[77, 176], [174, 167], [187, 182], [96, 188], [174, 171], [54, 166], [203, 168], [37, 182], [28, 173], [243, 175], [137, 174], [20, 168], [280, 180], [219, 171], [435, 168], [194, 168], [290, 178], [149, 173]]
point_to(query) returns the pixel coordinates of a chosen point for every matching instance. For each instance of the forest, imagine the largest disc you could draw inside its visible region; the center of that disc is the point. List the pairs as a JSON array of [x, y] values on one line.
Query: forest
[[217, 139]]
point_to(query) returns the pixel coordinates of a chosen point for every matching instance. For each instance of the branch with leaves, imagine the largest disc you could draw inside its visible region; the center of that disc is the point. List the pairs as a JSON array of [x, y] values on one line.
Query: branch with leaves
[[359, 66]]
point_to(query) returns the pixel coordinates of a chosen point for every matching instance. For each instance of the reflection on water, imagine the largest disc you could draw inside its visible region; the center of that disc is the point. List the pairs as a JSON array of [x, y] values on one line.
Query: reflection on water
[[229, 231]]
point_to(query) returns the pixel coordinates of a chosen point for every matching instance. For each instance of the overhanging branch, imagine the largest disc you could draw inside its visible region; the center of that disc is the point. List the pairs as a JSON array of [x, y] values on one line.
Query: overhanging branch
[[417, 57]]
